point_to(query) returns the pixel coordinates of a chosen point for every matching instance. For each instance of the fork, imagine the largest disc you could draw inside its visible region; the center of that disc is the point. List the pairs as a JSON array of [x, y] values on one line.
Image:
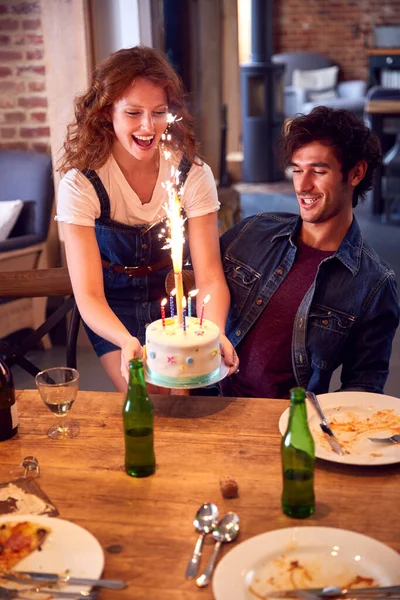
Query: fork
[[11, 593], [393, 439]]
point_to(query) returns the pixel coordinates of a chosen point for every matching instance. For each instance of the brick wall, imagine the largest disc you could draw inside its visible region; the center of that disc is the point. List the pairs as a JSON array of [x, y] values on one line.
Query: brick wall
[[341, 29], [23, 103]]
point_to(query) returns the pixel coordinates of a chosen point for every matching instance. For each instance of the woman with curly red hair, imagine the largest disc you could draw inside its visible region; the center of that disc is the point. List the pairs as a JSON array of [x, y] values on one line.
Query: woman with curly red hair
[[118, 152]]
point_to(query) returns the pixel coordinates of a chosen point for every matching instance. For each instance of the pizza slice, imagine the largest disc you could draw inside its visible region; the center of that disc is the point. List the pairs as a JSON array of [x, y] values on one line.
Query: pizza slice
[[18, 540]]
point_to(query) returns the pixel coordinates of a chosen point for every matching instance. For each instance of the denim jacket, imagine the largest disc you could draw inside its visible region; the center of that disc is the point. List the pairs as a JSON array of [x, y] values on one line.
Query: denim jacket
[[348, 316]]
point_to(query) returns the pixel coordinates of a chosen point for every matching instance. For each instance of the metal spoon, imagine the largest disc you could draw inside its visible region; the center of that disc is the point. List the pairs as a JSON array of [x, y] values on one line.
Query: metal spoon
[[204, 521], [227, 530]]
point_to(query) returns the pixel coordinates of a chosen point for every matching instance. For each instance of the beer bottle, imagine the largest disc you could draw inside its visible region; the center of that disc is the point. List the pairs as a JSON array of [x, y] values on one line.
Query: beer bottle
[[298, 460], [138, 421], [8, 407]]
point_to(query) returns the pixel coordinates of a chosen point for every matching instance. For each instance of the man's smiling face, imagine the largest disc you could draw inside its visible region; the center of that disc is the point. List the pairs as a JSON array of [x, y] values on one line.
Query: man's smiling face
[[318, 181]]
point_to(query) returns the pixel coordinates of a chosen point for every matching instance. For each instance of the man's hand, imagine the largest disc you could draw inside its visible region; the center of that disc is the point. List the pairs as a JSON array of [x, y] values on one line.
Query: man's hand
[[229, 355], [131, 349]]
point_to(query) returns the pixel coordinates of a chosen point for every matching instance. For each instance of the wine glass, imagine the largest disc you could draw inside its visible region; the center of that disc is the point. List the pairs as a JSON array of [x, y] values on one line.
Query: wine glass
[[58, 387]]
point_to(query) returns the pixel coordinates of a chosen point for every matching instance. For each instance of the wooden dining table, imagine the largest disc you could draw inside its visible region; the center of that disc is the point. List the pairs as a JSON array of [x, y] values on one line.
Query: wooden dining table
[[145, 526]]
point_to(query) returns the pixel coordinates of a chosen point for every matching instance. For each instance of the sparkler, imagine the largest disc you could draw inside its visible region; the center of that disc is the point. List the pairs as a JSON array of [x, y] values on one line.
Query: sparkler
[[176, 240]]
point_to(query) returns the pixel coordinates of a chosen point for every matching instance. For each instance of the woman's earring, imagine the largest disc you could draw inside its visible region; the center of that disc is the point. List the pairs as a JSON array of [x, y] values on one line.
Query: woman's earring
[[166, 137]]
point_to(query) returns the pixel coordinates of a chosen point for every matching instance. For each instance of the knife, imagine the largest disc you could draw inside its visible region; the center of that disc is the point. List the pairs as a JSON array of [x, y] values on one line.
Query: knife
[[336, 592], [29, 576], [6, 592], [334, 444]]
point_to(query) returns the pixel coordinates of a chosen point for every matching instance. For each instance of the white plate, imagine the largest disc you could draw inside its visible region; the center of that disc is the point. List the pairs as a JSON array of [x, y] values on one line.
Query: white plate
[[68, 547], [362, 404], [331, 557], [222, 373]]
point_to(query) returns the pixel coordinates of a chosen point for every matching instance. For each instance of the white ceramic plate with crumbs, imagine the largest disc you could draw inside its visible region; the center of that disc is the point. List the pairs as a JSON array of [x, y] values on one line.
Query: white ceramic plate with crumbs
[[303, 557], [353, 417], [68, 549]]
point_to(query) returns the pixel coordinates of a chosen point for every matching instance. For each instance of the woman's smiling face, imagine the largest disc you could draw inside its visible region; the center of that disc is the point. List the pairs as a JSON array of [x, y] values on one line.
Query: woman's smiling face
[[139, 119]]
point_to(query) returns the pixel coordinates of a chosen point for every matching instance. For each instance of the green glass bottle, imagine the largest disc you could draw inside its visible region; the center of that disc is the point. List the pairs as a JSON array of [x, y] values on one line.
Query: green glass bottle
[[298, 460], [138, 421]]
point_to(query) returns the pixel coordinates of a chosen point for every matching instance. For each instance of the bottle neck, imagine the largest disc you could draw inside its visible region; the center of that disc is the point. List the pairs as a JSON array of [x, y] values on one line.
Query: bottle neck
[[5, 373], [6, 383], [297, 401], [298, 412], [137, 394], [136, 373], [136, 378]]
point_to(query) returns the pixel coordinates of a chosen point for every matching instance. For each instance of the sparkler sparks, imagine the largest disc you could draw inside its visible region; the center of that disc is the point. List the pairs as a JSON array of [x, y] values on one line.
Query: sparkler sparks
[[175, 223], [172, 118], [175, 219]]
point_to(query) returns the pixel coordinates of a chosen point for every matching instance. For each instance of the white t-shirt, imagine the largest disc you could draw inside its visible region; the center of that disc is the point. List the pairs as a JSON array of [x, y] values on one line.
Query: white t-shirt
[[78, 203]]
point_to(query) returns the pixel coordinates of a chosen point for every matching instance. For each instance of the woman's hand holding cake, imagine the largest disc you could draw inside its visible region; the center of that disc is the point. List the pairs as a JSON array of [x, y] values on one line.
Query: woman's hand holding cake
[[229, 355]]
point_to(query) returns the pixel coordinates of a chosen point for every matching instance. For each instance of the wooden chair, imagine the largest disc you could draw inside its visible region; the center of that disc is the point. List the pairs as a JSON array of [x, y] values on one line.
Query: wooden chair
[[26, 175], [40, 283]]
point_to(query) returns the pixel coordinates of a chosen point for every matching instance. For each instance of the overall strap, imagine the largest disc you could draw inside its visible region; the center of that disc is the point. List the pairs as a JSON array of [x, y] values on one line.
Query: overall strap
[[184, 168], [100, 191]]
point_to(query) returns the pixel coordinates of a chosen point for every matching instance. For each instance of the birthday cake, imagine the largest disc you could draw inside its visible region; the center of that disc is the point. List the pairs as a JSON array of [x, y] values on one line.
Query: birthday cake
[[176, 357]]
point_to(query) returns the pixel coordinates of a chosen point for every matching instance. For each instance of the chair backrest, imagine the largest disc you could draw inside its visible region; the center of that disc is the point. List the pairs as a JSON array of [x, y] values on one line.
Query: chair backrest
[[378, 92], [27, 175], [39, 283], [305, 61]]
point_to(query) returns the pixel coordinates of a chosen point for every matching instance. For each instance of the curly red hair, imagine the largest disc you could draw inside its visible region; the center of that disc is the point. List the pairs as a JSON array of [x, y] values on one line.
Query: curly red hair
[[90, 137]]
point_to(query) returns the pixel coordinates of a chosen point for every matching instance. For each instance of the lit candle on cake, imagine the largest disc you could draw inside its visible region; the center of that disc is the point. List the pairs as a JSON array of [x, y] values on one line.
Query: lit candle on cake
[[191, 295], [171, 303], [184, 313], [206, 299], [163, 303]]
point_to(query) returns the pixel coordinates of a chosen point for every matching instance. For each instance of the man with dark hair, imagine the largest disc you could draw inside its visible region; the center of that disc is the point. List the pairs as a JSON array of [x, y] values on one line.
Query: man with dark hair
[[308, 293]]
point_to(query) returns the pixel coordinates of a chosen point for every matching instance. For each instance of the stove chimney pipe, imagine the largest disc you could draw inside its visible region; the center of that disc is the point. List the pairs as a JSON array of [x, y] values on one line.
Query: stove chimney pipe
[[261, 30], [262, 100]]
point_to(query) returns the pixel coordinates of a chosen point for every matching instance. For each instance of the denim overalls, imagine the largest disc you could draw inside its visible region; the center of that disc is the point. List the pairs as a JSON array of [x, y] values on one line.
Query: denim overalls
[[135, 300]]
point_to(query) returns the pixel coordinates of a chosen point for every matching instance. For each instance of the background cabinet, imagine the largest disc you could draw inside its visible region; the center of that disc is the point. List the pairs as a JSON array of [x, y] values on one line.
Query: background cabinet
[[384, 67]]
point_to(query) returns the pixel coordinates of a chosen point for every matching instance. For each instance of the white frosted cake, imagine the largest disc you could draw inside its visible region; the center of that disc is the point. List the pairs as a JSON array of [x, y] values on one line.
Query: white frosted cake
[[175, 357]]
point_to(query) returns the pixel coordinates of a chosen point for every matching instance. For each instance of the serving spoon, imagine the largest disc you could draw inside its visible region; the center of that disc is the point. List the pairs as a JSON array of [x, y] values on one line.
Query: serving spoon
[[204, 521], [227, 530]]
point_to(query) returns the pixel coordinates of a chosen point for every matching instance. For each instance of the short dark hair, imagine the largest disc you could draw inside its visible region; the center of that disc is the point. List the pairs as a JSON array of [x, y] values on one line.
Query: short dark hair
[[350, 139]]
